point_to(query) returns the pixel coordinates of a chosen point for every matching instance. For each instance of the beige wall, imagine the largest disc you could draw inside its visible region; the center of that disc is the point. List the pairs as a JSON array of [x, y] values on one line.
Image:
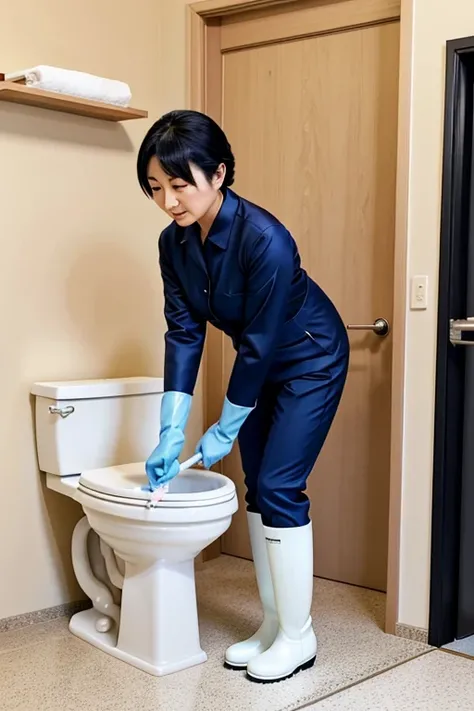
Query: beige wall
[[79, 284]]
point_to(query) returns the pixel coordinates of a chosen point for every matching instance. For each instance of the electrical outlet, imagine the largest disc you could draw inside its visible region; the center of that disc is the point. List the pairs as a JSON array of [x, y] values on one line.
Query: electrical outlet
[[419, 292]]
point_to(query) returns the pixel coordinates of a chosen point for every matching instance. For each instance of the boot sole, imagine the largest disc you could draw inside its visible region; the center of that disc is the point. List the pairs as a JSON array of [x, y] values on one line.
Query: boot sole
[[303, 667], [235, 667]]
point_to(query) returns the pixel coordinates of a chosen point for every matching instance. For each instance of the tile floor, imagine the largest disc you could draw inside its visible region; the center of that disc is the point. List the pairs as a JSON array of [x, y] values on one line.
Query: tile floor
[[437, 681], [44, 668]]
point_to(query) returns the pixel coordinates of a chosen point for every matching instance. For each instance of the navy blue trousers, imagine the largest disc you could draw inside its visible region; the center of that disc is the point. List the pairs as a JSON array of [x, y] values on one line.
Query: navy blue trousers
[[281, 439]]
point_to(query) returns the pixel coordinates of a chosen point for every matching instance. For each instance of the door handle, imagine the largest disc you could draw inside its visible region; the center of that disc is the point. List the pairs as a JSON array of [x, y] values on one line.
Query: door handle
[[380, 327], [461, 331]]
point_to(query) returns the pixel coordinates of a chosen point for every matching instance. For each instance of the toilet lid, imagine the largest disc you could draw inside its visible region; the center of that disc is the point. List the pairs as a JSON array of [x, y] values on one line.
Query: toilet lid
[[123, 483]]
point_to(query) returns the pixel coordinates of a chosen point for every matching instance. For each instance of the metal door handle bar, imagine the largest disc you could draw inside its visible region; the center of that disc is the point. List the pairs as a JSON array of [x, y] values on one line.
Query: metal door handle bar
[[380, 327], [461, 331]]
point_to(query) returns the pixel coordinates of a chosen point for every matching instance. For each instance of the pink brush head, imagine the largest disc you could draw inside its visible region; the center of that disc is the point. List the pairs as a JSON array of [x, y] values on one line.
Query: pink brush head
[[158, 494]]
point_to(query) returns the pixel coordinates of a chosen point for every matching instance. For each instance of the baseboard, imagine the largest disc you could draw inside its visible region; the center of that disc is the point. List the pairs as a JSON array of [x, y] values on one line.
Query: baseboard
[[416, 634], [7, 624]]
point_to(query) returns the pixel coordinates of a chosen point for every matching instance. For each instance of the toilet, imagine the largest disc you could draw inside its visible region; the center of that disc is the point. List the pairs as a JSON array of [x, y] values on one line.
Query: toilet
[[133, 558]]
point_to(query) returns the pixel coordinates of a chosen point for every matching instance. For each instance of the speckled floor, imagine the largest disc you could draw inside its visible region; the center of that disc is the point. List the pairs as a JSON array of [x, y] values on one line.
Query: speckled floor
[[44, 668], [438, 681]]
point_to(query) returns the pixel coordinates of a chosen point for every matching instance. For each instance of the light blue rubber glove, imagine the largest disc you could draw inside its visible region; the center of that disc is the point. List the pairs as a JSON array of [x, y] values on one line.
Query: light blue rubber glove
[[162, 465], [219, 439]]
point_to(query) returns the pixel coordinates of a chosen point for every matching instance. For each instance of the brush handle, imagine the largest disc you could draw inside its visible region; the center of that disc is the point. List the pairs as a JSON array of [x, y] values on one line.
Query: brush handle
[[190, 462]]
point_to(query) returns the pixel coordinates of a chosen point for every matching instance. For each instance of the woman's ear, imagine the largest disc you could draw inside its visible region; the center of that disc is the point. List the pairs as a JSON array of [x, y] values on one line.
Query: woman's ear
[[219, 176]]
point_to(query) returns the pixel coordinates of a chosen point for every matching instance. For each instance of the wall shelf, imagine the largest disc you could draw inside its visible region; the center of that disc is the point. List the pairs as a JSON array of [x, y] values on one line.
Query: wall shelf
[[21, 94]]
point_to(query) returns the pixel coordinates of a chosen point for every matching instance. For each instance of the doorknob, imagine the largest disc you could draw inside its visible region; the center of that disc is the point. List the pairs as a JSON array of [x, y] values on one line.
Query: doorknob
[[380, 327], [461, 331]]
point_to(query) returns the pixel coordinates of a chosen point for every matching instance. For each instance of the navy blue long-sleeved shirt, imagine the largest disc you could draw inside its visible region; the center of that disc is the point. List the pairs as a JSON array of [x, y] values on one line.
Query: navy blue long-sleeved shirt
[[246, 280]]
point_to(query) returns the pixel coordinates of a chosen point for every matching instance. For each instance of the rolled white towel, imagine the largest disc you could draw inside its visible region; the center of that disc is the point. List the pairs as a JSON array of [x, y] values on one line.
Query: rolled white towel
[[74, 83]]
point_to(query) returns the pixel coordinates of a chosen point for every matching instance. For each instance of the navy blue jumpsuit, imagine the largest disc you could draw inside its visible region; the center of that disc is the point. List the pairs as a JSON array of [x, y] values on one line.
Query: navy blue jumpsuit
[[292, 350]]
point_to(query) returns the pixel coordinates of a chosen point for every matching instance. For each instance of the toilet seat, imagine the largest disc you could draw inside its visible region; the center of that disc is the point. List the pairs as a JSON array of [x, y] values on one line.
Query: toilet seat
[[122, 484]]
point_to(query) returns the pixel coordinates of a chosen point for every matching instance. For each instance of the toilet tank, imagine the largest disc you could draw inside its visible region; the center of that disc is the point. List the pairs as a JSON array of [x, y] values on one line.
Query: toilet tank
[[89, 424]]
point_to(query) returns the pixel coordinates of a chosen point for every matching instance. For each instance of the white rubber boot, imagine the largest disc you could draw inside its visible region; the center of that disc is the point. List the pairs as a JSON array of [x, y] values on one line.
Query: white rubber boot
[[290, 552], [238, 655]]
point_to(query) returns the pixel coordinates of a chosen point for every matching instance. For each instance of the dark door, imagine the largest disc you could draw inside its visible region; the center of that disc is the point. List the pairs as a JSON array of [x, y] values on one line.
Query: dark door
[[452, 561], [462, 336]]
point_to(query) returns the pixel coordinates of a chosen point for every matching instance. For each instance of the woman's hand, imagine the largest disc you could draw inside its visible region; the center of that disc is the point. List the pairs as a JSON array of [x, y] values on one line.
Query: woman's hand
[[214, 445], [219, 439], [162, 465]]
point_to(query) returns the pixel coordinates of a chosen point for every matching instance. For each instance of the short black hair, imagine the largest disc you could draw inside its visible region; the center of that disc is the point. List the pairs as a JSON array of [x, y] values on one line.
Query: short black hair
[[182, 137]]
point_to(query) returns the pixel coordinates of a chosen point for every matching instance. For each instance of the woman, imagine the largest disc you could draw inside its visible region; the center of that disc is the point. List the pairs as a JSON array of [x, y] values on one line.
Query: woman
[[229, 262]]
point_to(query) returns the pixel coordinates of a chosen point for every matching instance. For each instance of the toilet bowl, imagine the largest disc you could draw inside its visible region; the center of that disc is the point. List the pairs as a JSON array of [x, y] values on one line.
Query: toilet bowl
[[133, 560]]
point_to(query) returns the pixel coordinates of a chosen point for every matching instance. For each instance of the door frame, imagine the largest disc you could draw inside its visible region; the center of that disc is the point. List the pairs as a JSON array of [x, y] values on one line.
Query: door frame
[[449, 395], [203, 74]]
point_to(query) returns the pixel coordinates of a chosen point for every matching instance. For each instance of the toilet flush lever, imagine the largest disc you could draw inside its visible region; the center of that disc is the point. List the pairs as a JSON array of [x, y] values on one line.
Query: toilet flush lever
[[62, 411]]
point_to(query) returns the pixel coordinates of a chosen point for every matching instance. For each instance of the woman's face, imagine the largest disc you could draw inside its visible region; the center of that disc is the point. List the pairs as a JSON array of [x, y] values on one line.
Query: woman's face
[[183, 202]]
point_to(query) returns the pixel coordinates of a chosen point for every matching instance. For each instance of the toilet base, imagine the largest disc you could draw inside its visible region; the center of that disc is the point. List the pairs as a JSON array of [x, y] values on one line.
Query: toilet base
[[83, 625]]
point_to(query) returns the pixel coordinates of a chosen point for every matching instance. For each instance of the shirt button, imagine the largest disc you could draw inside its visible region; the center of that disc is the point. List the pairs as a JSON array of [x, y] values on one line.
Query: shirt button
[[205, 291]]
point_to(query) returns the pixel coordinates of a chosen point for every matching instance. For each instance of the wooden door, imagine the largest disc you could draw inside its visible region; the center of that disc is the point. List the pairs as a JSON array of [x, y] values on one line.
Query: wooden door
[[309, 102]]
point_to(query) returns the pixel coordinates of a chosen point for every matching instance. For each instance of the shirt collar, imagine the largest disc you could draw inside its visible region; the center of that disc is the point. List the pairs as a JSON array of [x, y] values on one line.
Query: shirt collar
[[221, 227]]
